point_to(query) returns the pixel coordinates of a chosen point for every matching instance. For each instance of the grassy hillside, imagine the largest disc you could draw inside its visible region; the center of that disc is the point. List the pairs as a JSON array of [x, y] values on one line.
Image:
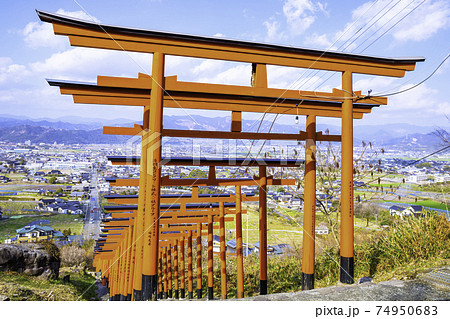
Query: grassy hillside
[[20, 287], [408, 247]]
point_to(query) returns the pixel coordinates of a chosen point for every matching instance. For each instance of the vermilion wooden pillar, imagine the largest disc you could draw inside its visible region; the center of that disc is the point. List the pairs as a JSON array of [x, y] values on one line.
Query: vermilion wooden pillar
[[175, 268], [182, 269], [169, 270], [165, 272], [223, 254], [210, 259], [309, 205], [139, 234], [347, 261], [239, 253], [153, 180], [190, 280], [199, 260], [262, 230]]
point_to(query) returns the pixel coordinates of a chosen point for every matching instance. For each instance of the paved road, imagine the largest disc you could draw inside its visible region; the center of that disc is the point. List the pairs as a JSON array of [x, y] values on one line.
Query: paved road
[[93, 217]]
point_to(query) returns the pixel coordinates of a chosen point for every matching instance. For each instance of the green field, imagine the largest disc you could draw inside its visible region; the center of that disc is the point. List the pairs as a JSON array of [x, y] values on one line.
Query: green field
[[385, 185], [432, 204], [425, 203], [12, 207]]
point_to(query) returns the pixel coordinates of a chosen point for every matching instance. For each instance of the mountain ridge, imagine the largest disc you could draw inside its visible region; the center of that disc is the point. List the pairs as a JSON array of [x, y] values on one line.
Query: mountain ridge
[[19, 130]]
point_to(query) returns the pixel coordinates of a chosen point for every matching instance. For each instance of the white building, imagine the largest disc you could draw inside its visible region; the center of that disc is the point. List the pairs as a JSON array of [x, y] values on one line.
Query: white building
[[418, 178], [442, 178]]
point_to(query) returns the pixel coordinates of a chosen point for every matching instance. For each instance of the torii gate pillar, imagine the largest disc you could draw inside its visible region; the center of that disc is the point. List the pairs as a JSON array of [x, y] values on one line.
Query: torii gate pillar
[[346, 271], [153, 181], [309, 205]]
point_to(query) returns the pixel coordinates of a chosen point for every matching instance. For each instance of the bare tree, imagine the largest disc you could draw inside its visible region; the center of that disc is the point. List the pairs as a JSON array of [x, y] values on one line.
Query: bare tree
[[72, 255], [366, 211]]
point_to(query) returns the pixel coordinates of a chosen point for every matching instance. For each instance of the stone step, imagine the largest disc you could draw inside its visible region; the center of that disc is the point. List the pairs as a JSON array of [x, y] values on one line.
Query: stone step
[[440, 278]]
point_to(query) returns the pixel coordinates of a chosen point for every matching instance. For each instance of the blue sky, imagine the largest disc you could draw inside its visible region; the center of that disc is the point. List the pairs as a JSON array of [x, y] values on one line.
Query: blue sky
[[30, 52]]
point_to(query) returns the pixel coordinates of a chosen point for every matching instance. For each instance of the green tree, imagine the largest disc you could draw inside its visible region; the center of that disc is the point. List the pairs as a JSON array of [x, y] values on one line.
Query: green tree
[[67, 232], [198, 173], [422, 165], [52, 180]]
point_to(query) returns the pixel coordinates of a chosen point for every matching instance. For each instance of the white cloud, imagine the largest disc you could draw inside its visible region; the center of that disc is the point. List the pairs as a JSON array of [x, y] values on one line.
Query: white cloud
[[371, 19], [282, 77], [83, 64], [375, 83], [40, 34], [421, 103], [239, 74], [11, 72], [424, 22], [208, 66], [273, 30], [78, 15], [321, 41], [301, 14], [420, 98]]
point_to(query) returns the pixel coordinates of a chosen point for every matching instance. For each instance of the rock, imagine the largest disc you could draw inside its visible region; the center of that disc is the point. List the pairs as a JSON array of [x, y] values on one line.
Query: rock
[[393, 283], [66, 279], [4, 298], [31, 259], [364, 279], [413, 290]]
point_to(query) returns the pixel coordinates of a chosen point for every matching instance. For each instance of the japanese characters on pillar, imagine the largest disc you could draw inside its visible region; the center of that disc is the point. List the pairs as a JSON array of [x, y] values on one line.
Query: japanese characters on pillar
[[150, 266], [346, 249]]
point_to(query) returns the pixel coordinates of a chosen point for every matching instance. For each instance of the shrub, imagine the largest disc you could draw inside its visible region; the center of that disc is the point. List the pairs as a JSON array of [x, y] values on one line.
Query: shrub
[[406, 241], [51, 249], [72, 255]]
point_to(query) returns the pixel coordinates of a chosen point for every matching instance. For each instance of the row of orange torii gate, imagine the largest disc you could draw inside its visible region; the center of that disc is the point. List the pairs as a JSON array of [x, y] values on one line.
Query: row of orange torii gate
[[142, 253]]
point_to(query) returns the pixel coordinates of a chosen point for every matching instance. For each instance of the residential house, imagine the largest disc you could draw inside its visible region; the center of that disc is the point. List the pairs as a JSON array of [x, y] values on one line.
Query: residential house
[[322, 229], [416, 210], [285, 248], [58, 205], [36, 233], [271, 250], [4, 179], [396, 210], [77, 195], [413, 210], [216, 244], [52, 207]]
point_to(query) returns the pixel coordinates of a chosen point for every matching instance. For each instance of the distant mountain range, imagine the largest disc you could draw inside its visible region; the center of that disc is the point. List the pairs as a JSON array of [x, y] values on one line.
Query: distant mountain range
[[74, 130]]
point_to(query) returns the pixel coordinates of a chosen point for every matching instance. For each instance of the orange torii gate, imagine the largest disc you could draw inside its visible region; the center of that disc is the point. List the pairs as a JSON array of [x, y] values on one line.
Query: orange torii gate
[[258, 98], [219, 199]]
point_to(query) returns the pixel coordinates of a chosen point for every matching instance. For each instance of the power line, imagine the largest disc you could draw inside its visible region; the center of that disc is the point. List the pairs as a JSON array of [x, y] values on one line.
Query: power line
[[366, 30], [414, 162], [421, 82], [374, 33], [390, 28]]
